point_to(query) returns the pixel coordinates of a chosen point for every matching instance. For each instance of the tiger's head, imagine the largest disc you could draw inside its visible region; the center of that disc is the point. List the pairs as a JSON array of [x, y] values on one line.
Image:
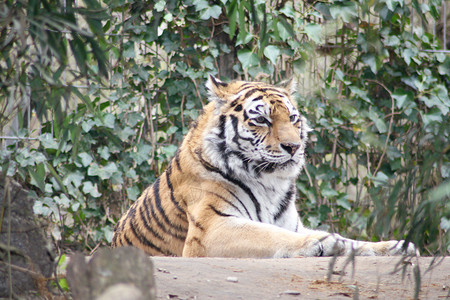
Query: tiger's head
[[256, 129]]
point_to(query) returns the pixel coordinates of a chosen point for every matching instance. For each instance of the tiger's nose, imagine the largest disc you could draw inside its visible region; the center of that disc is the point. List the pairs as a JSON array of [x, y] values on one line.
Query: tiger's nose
[[290, 148]]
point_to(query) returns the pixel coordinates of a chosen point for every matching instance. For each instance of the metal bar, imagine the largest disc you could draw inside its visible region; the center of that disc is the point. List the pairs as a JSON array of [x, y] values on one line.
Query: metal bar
[[17, 138], [436, 51], [444, 30], [28, 95]]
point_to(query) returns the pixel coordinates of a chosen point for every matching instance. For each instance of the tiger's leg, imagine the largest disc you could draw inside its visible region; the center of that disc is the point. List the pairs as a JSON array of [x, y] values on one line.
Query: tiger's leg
[[334, 244], [236, 237]]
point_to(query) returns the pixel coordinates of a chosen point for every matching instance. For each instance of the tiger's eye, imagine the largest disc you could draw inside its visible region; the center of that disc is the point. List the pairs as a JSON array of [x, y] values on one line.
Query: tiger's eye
[[260, 119], [292, 118]]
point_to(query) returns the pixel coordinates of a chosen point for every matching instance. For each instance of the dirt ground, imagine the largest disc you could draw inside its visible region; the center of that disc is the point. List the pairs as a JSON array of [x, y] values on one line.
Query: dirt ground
[[302, 278]]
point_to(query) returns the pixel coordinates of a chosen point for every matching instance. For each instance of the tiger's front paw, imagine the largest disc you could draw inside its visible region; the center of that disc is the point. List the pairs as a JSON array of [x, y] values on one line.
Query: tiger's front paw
[[398, 248], [333, 244], [305, 246], [389, 248], [314, 248], [326, 245]]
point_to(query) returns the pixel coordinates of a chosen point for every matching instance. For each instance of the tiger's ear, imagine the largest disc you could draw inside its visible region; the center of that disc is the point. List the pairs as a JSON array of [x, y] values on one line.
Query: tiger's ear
[[217, 90], [290, 85]]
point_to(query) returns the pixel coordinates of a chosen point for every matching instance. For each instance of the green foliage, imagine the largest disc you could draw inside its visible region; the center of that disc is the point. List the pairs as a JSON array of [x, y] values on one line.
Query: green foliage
[[61, 269], [382, 125], [38, 39], [99, 174], [379, 156]]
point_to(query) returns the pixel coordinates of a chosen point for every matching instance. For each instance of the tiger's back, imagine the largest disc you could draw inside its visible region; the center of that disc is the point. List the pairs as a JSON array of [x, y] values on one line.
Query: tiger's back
[[157, 221]]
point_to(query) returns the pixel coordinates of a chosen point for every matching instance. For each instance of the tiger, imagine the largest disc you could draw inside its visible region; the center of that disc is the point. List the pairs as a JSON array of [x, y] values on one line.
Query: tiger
[[230, 189]]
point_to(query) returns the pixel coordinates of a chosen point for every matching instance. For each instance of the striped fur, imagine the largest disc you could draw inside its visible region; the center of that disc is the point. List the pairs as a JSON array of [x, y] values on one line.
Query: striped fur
[[230, 189]]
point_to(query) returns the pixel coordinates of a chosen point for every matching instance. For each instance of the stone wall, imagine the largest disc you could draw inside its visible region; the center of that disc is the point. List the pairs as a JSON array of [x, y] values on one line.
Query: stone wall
[[25, 256]]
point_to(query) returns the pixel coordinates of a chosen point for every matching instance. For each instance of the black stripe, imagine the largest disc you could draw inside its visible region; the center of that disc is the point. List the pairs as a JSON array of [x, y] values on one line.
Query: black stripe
[[235, 122], [126, 240], [221, 125], [119, 241], [161, 225], [271, 89], [242, 157], [122, 225], [119, 226], [246, 210], [279, 95], [197, 240], [195, 223], [245, 116], [172, 196], [160, 208], [244, 86], [284, 204], [276, 91], [227, 153], [145, 216], [263, 138], [144, 201], [257, 140], [114, 239], [238, 108], [142, 239], [218, 212], [260, 107], [131, 213], [177, 159], [224, 153], [216, 82], [251, 92], [257, 98], [222, 148], [116, 227], [225, 200], [233, 180]]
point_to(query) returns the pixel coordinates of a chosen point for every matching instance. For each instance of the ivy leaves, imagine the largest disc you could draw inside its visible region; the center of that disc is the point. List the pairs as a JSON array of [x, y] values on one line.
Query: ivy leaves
[[377, 98], [247, 58]]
